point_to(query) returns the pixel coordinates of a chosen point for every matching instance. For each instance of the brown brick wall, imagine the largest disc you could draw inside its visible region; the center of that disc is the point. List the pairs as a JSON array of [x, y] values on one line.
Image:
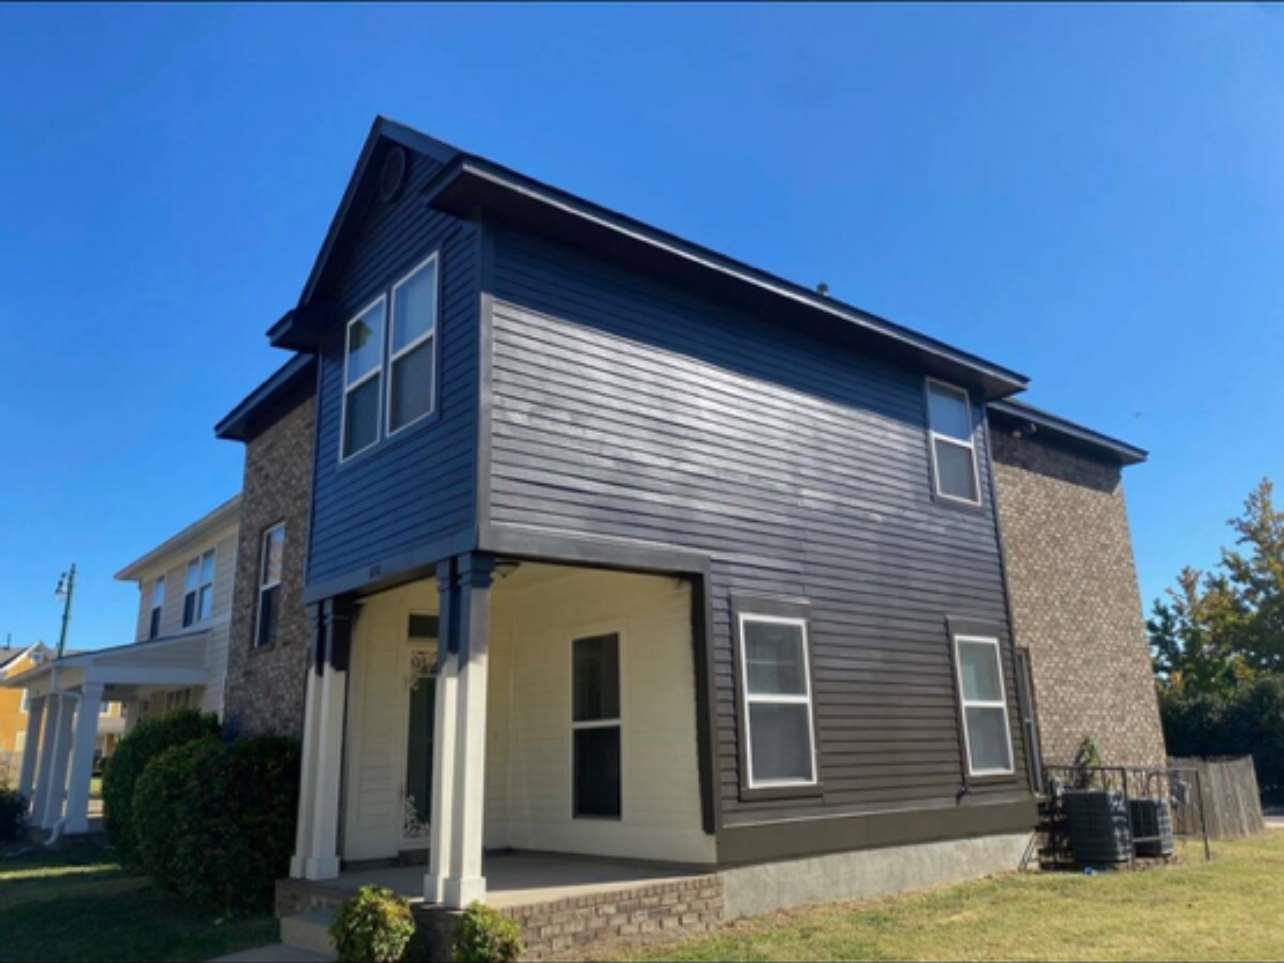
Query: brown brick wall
[[265, 687], [1075, 602]]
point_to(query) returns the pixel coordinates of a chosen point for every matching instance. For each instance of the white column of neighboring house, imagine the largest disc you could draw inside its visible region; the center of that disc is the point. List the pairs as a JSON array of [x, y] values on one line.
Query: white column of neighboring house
[[30, 751], [457, 827], [54, 762], [316, 853], [82, 757]]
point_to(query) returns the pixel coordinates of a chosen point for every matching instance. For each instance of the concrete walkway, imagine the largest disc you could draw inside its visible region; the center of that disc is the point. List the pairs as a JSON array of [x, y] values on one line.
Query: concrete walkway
[[274, 953]]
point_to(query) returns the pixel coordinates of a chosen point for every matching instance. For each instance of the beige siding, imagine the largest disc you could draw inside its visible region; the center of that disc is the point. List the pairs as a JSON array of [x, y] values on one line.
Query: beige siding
[[174, 568], [536, 613]]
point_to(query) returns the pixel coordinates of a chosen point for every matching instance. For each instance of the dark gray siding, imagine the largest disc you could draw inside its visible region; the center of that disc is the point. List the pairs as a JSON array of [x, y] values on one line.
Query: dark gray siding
[[625, 407], [409, 492]]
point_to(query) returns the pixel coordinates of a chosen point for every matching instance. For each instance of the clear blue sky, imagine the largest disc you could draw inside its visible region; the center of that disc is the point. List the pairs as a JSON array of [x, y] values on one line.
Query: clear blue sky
[[1091, 195]]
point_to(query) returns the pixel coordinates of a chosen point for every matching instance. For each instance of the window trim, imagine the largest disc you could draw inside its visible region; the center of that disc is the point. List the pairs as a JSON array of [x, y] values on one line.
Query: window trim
[[786, 612], [196, 592], [263, 586], [933, 436], [964, 704], [393, 356], [592, 632], [375, 372], [156, 608]]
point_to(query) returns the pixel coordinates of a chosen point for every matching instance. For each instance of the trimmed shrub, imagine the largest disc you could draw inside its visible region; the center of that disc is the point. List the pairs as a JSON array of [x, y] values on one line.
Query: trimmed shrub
[[374, 925], [141, 745], [13, 814], [215, 821], [484, 935]]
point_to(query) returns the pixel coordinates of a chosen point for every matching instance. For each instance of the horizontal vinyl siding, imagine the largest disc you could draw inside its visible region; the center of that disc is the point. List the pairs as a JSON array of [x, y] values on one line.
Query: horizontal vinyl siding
[[623, 407], [418, 486]]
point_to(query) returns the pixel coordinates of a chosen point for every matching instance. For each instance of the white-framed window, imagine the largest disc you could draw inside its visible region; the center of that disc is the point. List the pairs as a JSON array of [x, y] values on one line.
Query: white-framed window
[[362, 379], [158, 602], [198, 589], [104, 708], [596, 727], [412, 340], [775, 677], [987, 737], [26, 701], [271, 550], [950, 430]]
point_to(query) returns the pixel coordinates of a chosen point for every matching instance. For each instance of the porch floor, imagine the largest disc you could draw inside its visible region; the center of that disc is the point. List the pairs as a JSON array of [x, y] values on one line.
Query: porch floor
[[523, 879]]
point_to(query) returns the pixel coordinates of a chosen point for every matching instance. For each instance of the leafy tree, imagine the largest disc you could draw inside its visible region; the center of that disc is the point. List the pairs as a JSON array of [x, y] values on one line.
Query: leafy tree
[[1217, 630]]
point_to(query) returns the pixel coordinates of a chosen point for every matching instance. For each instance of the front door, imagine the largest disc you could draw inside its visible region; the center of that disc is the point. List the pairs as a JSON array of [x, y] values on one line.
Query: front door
[[416, 786]]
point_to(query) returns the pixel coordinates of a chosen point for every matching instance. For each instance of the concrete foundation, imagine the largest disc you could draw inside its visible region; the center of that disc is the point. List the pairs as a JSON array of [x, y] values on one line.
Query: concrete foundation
[[765, 888]]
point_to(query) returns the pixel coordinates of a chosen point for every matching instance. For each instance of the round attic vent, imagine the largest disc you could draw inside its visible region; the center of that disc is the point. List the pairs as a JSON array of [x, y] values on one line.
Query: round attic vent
[[393, 174]]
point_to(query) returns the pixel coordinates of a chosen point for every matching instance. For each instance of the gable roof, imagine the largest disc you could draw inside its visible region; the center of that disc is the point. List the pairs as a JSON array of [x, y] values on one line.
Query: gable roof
[[285, 387], [228, 512], [469, 181], [1018, 414]]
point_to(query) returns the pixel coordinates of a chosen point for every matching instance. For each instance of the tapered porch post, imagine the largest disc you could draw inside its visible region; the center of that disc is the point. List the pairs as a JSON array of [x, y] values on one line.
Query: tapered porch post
[[53, 706], [308, 763], [443, 755], [332, 693], [27, 774], [82, 757], [465, 881]]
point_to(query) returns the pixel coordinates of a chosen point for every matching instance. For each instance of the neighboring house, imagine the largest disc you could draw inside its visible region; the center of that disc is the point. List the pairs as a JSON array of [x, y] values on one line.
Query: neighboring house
[[614, 546], [13, 707], [178, 660]]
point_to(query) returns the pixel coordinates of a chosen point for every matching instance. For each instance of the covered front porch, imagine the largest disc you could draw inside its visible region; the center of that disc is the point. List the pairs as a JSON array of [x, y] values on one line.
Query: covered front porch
[[513, 731], [65, 701]]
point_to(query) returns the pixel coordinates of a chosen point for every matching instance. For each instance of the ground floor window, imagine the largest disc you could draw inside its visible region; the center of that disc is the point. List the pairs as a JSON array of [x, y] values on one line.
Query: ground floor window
[[596, 726], [984, 705], [775, 682]]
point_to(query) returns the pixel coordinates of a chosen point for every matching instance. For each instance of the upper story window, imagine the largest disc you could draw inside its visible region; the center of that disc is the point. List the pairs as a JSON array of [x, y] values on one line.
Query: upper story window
[[362, 379], [270, 566], [949, 417], [158, 602], [104, 708], [984, 705], [411, 354], [775, 680], [198, 597], [26, 701]]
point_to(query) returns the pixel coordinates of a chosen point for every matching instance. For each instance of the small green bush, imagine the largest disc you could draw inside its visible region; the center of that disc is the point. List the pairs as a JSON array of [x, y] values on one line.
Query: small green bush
[[141, 745], [484, 935], [13, 814], [215, 820], [375, 925]]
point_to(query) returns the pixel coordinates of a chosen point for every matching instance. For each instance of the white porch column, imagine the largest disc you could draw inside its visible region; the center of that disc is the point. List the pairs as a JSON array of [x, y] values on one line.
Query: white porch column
[[322, 861], [465, 881], [82, 757], [55, 784], [40, 795], [443, 759], [308, 765], [27, 774]]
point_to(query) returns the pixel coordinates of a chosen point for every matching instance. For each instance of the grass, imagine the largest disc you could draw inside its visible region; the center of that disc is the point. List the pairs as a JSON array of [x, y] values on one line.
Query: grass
[[1228, 909], [78, 903]]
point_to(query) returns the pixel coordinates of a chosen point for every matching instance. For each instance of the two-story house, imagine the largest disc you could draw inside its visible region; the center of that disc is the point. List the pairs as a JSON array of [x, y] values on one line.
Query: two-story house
[[178, 660], [613, 546]]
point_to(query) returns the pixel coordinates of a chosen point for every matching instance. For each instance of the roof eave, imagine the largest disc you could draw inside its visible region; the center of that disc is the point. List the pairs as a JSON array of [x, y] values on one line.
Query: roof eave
[[471, 183], [225, 514], [239, 424], [1103, 446]]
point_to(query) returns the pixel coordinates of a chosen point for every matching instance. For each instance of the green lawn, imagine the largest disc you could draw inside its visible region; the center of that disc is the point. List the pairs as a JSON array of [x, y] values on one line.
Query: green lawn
[[78, 904], [1231, 908]]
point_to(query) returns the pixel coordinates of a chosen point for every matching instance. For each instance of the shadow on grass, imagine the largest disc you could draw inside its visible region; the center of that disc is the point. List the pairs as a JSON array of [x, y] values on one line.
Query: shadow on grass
[[80, 904]]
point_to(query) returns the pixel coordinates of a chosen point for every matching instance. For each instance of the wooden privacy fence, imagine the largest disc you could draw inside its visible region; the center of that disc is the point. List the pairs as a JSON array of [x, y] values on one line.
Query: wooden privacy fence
[[1232, 805]]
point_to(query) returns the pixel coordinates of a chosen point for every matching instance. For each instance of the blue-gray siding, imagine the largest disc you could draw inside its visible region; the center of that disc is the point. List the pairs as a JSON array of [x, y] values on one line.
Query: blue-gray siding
[[419, 487], [626, 407]]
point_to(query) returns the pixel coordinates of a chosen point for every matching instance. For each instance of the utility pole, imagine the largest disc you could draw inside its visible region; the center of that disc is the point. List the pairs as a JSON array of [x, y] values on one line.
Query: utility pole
[[66, 589]]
